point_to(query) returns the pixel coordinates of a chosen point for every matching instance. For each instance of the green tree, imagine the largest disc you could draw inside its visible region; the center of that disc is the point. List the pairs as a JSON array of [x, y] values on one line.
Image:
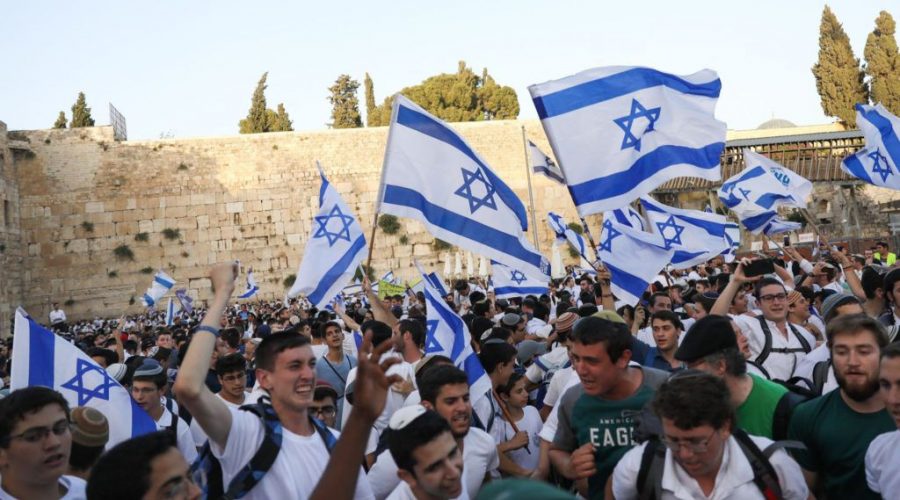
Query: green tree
[[344, 103], [372, 117], [81, 114], [459, 97], [60, 120], [257, 118], [883, 63], [279, 121], [839, 79]]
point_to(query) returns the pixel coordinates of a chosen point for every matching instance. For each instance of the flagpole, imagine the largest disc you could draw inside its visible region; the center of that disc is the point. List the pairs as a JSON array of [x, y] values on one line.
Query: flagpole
[[534, 234]]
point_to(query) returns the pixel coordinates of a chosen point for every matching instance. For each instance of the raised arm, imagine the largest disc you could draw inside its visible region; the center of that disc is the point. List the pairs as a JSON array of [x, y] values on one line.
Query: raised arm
[[190, 387], [723, 303], [379, 311], [850, 275]]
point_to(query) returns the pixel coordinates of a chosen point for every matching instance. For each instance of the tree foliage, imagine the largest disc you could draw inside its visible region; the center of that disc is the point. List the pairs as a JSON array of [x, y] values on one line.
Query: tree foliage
[[279, 121], [81, 113], [257, 118], [60, 120], [459, 97], [344, 103], [370, 101], [839, 79], [883, 63]]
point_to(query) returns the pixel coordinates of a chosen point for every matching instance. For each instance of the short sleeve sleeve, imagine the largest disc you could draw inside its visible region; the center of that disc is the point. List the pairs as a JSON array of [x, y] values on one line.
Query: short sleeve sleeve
[[624, 477], [244, 438], [565, 436]]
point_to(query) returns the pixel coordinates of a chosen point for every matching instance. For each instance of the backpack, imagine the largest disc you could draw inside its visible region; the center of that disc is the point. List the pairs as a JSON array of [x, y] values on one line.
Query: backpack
[[798, 392], [767, 346], [207, 470], [820, 375]]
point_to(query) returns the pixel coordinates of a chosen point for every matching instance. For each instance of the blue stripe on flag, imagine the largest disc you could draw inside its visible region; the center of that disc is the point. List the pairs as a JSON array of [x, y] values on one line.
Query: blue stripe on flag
[[769, 199], [463, 226], [528, 290], [886, 129], [618, 85], [141, 423], [358, 340], [455, 324], [149, 300], [41, 347], [713, 228], [437, 130], [322, 188], [339, 268], [540, 169], [758, 221], [472, 366], [629, 282], [682, 256], [644, 168], [856, 168]]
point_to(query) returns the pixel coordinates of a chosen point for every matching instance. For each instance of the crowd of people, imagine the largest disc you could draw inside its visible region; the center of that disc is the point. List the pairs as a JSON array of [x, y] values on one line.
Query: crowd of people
[[771, 377]]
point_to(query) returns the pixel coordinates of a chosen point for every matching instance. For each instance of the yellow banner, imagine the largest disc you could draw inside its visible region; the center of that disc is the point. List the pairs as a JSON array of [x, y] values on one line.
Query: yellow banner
[[385, 288]]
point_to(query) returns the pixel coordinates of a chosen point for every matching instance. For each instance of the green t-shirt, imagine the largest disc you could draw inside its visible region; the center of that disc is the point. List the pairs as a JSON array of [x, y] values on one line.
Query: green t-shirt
[[757, 413], [606, 423], [836, 438]]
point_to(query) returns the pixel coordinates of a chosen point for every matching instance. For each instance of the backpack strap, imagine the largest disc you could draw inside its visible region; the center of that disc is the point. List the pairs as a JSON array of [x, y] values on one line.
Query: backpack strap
[[780, 445], [248, 476], [173, 427], [803, 342], [764, 475], [767, 346], [649, 479], [767, 343], [820, 375]]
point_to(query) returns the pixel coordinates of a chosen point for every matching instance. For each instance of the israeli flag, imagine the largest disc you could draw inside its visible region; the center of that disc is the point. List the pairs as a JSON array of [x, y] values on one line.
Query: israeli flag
[[170, 312], [44, 359], [695, 236], [630, 217], [432, 175], [446, 334], [432, 279], [542, 164], [252, 287], [162, 283], [187, 303], [389, 277], [777, 225], [634, 259], [334, 250], [565, 233], [620, 132], [879, 162], [509, 282], [733, 237]]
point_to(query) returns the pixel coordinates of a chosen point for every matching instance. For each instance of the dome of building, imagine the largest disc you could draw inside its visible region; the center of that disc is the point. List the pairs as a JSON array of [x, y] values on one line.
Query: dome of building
[[776, 123]]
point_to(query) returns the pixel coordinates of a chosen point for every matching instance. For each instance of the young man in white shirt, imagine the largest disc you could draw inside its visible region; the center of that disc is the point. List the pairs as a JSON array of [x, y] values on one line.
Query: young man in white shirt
[[35, 442], [704, 455], [231, 371], [883, 455], [57, 317], [147, 388]]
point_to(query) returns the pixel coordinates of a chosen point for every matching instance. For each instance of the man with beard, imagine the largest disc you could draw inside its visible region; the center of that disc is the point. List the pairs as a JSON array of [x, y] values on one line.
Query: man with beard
[[883, 457], [838, 427]]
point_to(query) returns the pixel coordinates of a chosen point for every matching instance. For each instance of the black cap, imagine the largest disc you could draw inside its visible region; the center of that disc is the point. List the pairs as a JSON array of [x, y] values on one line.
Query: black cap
[[708, 335]]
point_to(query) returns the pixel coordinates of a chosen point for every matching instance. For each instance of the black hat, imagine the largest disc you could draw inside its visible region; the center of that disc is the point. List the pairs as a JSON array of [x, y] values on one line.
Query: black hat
[[708, 335]]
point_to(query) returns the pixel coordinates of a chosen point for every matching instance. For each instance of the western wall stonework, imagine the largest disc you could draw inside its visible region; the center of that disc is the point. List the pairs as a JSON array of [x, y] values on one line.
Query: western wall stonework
[[79, 194]]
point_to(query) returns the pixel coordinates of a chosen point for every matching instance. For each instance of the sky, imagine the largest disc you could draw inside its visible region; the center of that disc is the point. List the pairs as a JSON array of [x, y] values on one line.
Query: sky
[[188, 68]]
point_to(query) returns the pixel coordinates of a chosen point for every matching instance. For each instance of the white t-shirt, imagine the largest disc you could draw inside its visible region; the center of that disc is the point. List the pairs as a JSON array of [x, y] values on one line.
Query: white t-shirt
[[404, 492], [395, 400], [883, 464], [560, 379], [183, 431], [734, 480], [319, 350], [479, 458], [781, 366], [199, 434], [75, 489], [57, 316], [806, 366], [299, 467], [529, 423]]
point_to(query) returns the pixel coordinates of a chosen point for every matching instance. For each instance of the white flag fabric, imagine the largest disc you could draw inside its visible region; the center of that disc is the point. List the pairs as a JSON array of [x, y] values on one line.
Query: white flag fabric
[[542, 164], [879, 162], [432, 175], [509, 282], [630, 217], [334, 250], [755, 193], [162, 283], [252, 287], [620, 132], [695, 236], [565, 233], [634, 259], [446, 334], [389, 277], [45, 359]]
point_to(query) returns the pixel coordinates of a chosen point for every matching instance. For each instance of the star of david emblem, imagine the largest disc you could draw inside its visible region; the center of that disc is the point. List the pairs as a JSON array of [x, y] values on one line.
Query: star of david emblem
[[517, 276], [342, 233], [611, 233], [79, 384], [627, 122], [880, 165], [670, 224], [471, 195], [431, 343], [745, 193]]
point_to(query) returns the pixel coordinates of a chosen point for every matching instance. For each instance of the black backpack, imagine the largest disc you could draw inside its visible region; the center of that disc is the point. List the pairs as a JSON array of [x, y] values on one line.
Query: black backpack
[[767, 346], [207, 470]]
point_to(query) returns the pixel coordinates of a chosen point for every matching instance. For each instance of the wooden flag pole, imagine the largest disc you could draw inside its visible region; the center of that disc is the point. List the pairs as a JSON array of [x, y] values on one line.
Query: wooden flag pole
[[371, 243], [507, 415], [534, 234]]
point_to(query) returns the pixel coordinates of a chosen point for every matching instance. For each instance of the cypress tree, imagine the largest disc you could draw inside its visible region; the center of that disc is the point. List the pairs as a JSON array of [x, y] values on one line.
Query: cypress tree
[[839, 79], [345, 105], [257, 118], [60, 120], [372, 115], [81, 114], [279, 121], [883, 63]]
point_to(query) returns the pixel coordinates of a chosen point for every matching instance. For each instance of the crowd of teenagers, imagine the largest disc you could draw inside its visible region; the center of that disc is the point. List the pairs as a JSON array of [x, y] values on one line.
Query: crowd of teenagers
[[770, 378]]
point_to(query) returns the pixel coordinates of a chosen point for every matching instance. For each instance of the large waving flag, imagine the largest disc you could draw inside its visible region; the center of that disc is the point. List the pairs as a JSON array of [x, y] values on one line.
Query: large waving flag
[[565, 233], [509, 282], [430, 174], [879, 162], [187, 303], [334, 250], [252, 287], [446, 334], [630, 217], [619, 132], [542, 164], [633, 258], [170, 312], [162, 283], [695, 236], [48, 360]]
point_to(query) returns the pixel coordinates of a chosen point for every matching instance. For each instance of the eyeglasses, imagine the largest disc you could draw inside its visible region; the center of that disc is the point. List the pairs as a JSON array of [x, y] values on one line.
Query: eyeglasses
[[38, 434], [327, 411], [773, 297], [696, 445]]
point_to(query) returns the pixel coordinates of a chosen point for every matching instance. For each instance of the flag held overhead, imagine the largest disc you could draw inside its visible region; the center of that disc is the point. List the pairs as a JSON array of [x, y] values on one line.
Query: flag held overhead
[[879, 162]]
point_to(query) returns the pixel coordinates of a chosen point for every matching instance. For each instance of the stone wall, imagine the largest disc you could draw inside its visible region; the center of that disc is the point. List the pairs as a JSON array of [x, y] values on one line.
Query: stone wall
[[11, 271]]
